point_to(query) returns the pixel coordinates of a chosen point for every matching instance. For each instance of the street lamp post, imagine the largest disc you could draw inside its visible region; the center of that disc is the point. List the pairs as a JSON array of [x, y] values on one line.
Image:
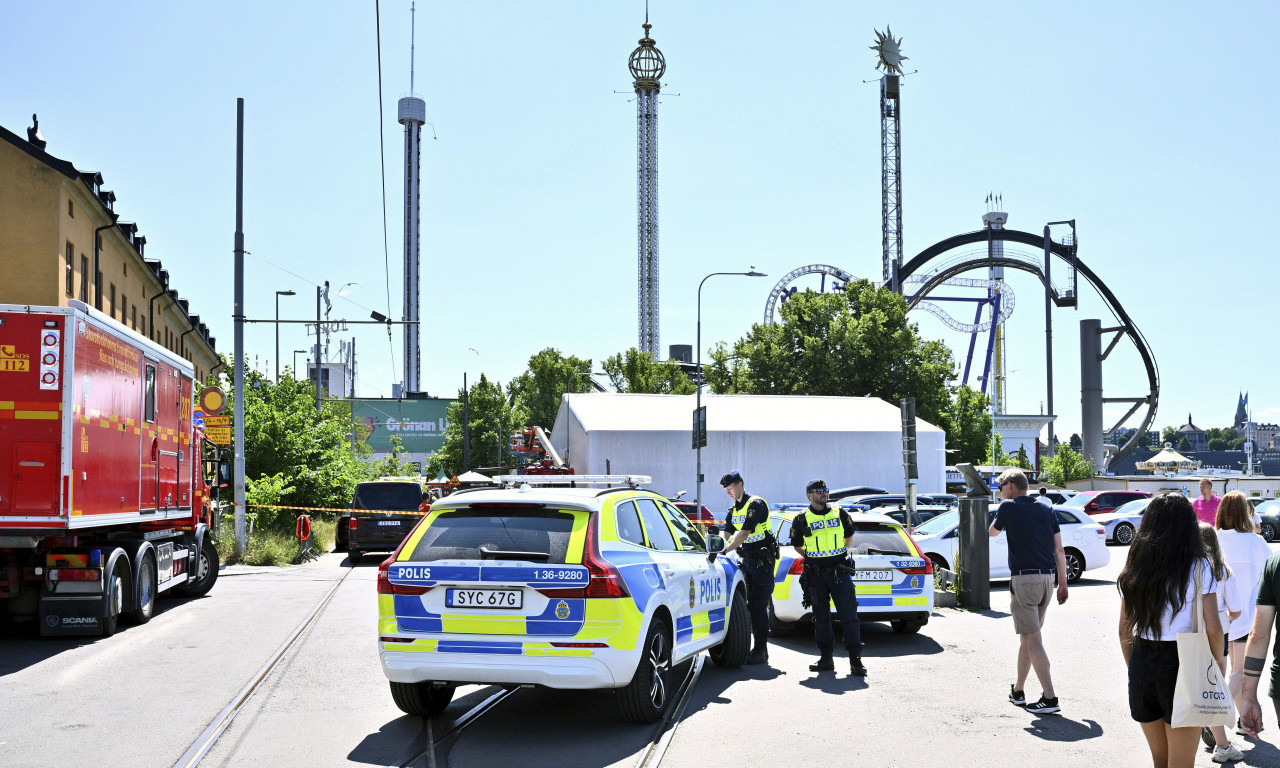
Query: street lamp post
[[698, 372], [278, 295], [297, 352]]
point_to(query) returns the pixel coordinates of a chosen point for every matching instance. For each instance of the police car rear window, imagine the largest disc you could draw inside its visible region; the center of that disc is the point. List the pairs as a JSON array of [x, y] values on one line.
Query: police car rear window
[[884, 539], [388, 496], [496, 534]]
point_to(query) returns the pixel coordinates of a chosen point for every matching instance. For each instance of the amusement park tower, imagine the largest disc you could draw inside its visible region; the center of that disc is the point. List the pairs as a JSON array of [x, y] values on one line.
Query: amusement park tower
[[412, 114], [647, 67], [889, 52]]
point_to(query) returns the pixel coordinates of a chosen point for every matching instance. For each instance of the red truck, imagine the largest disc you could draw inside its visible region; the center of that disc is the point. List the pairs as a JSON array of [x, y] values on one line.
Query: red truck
[[104, 479]]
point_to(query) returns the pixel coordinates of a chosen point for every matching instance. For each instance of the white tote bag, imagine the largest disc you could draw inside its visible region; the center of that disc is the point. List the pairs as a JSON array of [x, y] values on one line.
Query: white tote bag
[[1201, 696]]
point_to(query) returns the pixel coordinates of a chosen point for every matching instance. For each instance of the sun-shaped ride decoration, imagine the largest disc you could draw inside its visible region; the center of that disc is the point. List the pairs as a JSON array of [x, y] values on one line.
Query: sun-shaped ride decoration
[[890, 52]]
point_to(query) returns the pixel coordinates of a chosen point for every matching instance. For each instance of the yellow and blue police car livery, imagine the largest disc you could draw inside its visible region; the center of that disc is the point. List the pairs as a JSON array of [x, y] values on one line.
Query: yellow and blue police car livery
[[897, 588], [636, 593]]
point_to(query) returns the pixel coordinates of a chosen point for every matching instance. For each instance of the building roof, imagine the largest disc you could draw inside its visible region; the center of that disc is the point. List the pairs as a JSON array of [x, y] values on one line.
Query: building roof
[[1189, 427]]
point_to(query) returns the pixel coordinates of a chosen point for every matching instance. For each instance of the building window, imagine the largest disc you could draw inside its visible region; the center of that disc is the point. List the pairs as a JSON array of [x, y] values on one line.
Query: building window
[[71, 209], [71, 259], [126, 270], [84, 278], [124, 309], [111, 301], [133, 317], [143, 329], [149, 395]]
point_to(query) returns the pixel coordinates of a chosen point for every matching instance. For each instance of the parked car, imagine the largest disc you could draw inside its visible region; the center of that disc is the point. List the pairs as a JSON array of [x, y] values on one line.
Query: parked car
[[690, 510], [1096, 502], [940, 499], [892, 579], [1269, 512], [1057, 497], [923, 512], [382, 513], [856, 490], [1083, 539], [1122, 522]]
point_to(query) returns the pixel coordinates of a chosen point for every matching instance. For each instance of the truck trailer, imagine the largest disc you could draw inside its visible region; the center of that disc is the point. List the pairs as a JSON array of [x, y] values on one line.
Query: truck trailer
[[105, 503]]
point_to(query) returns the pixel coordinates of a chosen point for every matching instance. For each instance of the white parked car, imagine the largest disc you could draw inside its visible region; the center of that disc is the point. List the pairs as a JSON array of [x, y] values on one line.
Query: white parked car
[[1083, 539]]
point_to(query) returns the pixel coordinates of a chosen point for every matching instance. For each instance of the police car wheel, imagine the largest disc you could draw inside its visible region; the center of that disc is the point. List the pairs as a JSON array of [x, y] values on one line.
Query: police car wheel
[[644, 699], [904, 627], [422, 699], [732, 652]]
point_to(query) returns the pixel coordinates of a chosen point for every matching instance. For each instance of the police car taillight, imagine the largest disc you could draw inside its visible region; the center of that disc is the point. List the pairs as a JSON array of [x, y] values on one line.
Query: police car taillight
[[385, 587], [927, 568], [605, 581]]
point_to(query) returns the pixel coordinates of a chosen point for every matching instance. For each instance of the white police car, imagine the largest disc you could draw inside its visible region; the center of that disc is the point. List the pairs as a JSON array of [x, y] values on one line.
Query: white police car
[[558, 587], [892, 578]]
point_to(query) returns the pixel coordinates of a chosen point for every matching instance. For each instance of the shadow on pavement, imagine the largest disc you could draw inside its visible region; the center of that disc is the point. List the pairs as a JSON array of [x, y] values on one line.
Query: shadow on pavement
[[1059, 728], [1257, 752], [404, 738], [878, 640]]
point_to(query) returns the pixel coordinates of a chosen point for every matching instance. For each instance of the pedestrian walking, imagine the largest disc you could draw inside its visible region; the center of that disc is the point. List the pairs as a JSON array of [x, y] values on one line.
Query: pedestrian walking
[[1036, 558], [1230, 606], [1206, 506], [1246, 554], [823, 535], [1157, 597], [1265, 618], [748, 523], [1043, 497]]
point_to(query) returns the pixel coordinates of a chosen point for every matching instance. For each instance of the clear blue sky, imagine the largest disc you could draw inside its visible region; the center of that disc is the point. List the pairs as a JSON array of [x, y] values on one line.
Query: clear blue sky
[[1151, 124]]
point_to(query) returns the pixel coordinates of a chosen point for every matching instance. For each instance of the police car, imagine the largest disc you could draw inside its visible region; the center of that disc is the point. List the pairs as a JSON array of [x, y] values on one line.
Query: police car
[[581, 587], [892, 578]]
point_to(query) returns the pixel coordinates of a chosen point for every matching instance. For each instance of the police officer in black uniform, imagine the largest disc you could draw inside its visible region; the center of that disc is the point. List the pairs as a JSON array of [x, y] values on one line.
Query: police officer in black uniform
[[823, 535], [748, 524]]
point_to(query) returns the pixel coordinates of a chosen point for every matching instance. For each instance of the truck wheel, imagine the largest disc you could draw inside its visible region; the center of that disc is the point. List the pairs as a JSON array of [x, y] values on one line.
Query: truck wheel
[[206, 571], [733, 650], [645, 698], [145, 590], [353, 557], [423, 699], [115, 601]]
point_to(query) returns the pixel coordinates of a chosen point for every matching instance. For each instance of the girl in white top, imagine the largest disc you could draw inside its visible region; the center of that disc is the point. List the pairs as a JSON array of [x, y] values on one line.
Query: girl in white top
[[1230, 607], [1156, 601], [1246, 553]]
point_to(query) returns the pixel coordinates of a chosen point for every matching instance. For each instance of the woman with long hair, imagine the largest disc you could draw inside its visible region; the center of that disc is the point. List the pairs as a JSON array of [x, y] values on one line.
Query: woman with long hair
[[1156, 600], [1246, 553]]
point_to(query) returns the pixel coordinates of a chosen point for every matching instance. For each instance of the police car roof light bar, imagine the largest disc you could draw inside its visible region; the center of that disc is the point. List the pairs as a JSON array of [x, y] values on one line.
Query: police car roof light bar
[[632, 481]]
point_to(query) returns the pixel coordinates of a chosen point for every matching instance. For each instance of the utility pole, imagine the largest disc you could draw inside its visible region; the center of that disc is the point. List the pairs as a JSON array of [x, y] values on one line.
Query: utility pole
[[239, 330]]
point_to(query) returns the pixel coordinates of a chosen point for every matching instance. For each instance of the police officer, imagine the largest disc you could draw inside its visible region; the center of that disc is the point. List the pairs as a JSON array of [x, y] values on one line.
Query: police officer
[[748, 523], [823, 535]]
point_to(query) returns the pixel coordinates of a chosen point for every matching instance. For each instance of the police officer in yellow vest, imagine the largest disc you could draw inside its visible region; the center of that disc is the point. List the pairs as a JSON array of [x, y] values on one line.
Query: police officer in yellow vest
[[748, 523], [822, 534]]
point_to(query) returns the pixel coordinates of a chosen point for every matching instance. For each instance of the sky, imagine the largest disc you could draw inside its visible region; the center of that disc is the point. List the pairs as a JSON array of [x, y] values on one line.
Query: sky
[[1150, 124]]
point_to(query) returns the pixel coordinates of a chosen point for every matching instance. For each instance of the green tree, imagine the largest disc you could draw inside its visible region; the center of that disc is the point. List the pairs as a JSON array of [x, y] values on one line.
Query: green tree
[[1021, 459], [855, 343], [493, 419], [539, 389], [294, 454], [967, 422], [1184, 445], [1218, 444], [1076, 443], [1065, 465], [636, 372], [1169, 435]]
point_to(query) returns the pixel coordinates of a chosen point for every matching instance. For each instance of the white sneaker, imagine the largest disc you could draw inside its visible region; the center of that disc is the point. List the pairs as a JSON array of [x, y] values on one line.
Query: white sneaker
[[1227, 754]]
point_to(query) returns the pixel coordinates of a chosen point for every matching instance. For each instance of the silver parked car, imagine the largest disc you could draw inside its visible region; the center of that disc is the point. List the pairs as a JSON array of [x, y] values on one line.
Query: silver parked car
[[1122, 522]]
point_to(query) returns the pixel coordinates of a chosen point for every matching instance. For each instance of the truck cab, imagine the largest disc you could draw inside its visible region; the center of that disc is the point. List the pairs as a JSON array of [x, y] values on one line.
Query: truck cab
[[382, 513]]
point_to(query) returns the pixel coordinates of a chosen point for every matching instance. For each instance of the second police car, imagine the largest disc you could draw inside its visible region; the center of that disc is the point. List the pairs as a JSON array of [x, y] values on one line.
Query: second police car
[[559, 587], [892, 578]]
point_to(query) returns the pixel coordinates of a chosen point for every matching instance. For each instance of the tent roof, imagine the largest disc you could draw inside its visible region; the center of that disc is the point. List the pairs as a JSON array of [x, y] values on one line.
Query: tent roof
[[473, 477], [754, 413], [1168, 459]]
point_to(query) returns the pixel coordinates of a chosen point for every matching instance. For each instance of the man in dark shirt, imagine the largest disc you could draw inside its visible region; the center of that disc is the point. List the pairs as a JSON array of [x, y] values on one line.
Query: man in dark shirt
[[823, 535], [1255, 653], [1035, 556], [748, 523]]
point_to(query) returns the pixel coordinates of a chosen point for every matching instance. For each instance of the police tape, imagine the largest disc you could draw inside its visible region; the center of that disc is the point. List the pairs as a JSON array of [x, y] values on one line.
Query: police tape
[[337, 509]]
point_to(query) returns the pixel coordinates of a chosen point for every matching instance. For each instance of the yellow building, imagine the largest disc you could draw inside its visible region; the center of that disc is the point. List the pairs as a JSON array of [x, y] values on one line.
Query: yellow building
[[57, 223]]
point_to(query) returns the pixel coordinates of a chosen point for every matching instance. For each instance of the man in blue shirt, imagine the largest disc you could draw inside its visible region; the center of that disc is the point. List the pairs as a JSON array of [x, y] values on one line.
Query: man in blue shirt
[[1035, 558]]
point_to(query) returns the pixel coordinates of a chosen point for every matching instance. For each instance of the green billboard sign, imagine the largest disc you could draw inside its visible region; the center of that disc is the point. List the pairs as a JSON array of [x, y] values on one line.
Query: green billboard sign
[[419, 424]]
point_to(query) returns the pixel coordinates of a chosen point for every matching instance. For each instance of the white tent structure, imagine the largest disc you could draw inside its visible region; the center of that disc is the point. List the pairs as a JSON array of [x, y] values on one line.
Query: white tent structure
[[777, 442]]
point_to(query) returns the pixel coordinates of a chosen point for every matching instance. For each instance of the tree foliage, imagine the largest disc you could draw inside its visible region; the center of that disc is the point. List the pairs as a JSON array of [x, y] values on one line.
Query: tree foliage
[[1065, 465], [539, 389], [1184, 445], [1076, 443], [854, 343], [493, 418], [967, 422], [636, 372]]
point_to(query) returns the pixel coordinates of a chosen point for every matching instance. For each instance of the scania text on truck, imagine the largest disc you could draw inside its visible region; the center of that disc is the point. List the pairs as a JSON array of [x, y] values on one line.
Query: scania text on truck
[[104, 480]]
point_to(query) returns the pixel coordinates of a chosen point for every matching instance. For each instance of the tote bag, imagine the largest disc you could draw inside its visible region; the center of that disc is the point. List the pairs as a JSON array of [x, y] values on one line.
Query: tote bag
[[1200, 696]]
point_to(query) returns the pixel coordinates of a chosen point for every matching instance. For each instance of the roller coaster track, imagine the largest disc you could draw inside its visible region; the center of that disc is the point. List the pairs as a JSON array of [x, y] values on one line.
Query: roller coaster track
[[935, 277]]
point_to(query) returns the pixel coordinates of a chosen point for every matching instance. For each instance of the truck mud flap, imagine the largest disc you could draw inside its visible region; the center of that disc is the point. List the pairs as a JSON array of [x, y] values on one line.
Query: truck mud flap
[[67, 616]]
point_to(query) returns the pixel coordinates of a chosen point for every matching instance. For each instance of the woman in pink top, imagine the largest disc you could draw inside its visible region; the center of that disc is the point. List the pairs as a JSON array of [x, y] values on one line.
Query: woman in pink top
[[1206, 506]]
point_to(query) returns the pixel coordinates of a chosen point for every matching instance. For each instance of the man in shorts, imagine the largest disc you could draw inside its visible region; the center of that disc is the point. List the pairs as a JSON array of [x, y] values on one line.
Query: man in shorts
[[1035, 560]]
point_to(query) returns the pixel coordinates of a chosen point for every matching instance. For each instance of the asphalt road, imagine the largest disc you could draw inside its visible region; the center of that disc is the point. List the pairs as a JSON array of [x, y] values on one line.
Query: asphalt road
[[143, 697]]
